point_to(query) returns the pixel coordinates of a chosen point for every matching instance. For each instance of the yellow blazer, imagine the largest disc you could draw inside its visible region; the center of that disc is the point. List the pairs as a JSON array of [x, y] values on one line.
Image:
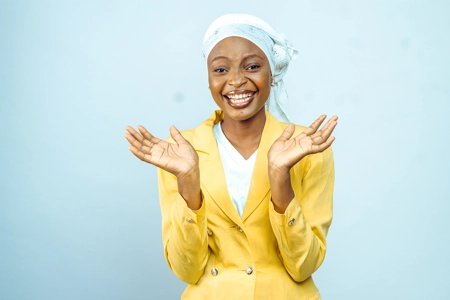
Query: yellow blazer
[[263, 255]]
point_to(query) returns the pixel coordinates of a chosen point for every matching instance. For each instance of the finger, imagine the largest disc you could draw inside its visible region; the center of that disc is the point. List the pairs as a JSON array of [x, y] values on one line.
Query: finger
[[141, 155], [130, 138], [329, 122], [330, 126], [323, 134], [287, 133], [176, 135], [149, 138], [137, 144], [134, 133], [322, 147], [314, 126]]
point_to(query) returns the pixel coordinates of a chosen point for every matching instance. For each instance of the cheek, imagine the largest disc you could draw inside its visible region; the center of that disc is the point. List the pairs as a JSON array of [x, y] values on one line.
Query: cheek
[[264, 84], [215, 89], [215, 86]]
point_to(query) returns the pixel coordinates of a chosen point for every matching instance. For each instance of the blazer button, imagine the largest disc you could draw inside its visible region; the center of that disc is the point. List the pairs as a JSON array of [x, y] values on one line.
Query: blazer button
[[209, 232], [189, 220], [249, 271], [214, 272], [239, 229], [291, 221]]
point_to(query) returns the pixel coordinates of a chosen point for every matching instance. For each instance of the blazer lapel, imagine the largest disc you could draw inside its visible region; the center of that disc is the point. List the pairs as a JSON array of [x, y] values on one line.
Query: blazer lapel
[[259, 186], [212, 175]]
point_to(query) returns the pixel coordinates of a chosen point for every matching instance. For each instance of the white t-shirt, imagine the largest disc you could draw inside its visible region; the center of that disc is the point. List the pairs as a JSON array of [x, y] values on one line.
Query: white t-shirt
[[238, 170]]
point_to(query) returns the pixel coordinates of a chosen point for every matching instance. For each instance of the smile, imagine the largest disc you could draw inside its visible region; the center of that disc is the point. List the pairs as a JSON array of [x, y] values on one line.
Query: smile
[[240, 99]]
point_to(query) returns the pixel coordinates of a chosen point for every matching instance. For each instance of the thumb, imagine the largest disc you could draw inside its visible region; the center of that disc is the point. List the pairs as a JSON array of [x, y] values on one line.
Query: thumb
[[287, 133], [176, 135]]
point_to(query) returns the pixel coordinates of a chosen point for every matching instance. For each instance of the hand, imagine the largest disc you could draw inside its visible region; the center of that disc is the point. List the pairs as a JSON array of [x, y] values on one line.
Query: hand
[[286, 152], [179, 159]]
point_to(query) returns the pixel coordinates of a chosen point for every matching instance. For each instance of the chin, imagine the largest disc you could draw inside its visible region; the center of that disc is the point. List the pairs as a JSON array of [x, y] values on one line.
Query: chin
[[243, 114]]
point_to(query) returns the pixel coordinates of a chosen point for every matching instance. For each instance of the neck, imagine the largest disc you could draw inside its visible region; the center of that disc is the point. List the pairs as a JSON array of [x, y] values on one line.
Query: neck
[[245, 135]]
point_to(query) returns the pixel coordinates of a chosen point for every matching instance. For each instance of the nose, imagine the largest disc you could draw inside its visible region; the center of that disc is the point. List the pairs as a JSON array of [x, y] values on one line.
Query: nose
[[236, 78]]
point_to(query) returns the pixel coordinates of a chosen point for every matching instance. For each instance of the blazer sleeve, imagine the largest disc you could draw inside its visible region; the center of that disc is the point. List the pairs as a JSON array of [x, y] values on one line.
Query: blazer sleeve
[[184, 231], [302, 229]]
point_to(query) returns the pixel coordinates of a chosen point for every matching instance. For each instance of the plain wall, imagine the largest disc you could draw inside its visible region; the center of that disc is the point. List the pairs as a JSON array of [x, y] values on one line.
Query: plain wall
[[79, 214]]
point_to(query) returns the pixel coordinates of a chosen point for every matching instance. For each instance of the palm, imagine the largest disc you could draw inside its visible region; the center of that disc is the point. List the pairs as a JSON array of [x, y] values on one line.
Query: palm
[[178, 159], [286, 152]]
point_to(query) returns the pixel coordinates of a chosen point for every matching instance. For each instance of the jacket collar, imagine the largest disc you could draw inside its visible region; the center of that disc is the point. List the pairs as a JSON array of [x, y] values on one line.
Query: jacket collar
[[212, 173]]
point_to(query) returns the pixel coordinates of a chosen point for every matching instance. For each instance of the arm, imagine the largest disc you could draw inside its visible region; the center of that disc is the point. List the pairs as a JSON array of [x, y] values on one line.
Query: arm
[[183, 214], [302, 228], [183, 231], [302, 186]]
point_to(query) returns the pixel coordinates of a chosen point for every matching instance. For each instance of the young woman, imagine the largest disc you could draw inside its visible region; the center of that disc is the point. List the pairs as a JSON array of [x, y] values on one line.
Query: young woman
[[246, 199]]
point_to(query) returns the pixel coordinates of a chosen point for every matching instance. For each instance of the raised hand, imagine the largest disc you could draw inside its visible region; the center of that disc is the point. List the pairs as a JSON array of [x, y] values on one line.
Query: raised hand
[[179, 159], [286, 151]]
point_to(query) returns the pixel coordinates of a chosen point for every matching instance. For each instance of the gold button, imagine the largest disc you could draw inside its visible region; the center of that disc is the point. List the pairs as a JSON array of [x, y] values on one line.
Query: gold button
[[214, 272], [239, 229], [209, 232], [189, 220], [249, 271]]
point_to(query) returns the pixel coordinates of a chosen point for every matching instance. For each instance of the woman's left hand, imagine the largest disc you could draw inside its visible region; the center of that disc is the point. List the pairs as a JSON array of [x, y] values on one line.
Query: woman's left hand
[[286, 152]]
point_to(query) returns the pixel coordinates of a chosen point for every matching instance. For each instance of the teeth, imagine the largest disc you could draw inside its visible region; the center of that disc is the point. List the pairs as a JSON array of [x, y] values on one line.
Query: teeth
[[240, 99], [239, 96]]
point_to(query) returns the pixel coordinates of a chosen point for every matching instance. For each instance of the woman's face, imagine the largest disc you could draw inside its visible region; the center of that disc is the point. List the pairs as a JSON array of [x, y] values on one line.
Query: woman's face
[[239, 78]]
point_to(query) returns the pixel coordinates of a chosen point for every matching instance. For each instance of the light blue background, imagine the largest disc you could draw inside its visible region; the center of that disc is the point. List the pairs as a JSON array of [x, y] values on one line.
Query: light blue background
[[79, 215]]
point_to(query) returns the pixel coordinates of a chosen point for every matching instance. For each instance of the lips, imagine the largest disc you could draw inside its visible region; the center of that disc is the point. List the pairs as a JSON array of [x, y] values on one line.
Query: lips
[[239, 99]]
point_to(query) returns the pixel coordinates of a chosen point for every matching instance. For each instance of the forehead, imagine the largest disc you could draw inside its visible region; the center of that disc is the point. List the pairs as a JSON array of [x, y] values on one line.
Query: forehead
[[235, 47]]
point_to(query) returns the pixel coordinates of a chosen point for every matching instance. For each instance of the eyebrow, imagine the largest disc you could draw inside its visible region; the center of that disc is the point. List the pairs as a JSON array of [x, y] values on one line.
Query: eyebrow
[[219, 57], [247, 57]]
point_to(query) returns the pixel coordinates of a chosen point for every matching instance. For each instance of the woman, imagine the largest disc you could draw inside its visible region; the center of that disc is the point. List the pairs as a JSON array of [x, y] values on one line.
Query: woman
[[245, 206]]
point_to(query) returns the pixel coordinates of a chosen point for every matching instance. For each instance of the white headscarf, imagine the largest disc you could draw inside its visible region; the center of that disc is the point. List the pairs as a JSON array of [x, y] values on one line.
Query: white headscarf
[[276, 47]]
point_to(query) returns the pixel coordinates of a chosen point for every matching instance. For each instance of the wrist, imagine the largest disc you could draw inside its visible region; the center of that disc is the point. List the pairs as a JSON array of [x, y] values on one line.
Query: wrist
[[281, 187], [193, 174], [189, 188], [277, 172], [280, 207]]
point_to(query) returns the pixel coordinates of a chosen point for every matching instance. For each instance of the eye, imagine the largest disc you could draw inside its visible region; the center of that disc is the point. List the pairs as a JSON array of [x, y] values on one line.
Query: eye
[[253, 67], [220, 70]]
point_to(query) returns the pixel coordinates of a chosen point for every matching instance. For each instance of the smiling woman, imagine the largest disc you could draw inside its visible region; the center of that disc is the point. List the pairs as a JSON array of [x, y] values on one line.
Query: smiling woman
[[246, 197]]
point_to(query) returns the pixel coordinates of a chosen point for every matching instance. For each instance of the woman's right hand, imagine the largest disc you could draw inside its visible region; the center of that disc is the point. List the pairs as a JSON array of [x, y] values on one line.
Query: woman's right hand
[[180, 159]]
